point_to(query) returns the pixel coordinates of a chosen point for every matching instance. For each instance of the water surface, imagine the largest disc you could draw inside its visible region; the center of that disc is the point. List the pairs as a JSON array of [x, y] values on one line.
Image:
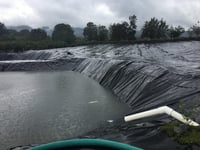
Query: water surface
[[47, 106]]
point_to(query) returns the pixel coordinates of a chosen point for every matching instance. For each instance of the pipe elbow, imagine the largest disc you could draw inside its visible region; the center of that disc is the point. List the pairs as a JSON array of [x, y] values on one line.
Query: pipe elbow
[[167, 110]]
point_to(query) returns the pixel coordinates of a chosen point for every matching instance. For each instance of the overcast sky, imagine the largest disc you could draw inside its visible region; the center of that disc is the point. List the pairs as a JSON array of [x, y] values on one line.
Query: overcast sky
[[77, 13]]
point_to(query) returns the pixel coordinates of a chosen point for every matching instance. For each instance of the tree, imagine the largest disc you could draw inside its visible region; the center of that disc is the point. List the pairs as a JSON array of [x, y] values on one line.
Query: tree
[[3, 29], [155, 29], [11, 35], [119, 31], [102, 33], [195, 29], [23, 34], [132, 27], [38, 35], [132, 20], [176, 31], [90, 32], [63, 32], [5, 34], [124, 31]]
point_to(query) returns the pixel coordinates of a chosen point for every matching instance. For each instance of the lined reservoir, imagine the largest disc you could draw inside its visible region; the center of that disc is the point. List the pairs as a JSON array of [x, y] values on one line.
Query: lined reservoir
[[144, 76], [47, 106]]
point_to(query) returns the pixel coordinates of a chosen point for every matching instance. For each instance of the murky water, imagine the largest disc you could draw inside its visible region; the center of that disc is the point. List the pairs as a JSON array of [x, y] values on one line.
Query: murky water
[[46, 106]]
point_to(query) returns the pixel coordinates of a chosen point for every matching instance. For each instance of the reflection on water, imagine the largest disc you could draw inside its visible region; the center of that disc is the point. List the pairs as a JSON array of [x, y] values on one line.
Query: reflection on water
[[42, 107]]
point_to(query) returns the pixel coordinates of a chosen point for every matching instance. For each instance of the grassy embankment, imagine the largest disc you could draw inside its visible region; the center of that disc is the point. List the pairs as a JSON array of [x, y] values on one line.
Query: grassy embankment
[[183, 134], [20, 46]]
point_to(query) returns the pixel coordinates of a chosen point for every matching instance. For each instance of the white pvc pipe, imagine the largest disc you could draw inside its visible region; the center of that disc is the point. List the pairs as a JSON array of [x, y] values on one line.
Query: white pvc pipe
[[161, 110]]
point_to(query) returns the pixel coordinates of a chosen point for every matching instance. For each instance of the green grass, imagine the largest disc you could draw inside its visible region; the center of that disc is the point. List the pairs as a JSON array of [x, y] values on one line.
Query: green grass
[[182, 133]]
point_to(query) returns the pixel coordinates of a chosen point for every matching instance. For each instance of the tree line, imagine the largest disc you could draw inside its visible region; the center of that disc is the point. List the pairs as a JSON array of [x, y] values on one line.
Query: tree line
[[63, 34]]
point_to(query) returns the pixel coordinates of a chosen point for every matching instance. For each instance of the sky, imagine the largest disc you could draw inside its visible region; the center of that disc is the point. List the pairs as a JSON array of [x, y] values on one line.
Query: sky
[[77, 13]]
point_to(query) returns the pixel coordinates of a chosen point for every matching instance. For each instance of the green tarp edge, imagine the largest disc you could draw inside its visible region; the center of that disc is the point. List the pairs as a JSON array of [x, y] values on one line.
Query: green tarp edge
[[85, 143]]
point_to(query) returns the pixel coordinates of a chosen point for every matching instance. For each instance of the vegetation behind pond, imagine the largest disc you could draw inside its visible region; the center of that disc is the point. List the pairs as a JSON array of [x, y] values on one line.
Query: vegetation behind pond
[[153, 31]]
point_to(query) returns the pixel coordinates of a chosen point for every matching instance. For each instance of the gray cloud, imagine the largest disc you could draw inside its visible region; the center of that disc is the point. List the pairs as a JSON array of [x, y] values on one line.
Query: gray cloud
[[78, 12]]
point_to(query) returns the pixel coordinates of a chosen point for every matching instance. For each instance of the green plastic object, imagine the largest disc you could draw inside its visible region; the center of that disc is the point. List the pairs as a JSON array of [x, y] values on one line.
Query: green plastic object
[[85, 143]]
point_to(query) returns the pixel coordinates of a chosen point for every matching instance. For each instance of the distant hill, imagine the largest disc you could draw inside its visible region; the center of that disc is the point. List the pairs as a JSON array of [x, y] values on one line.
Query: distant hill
[[186, 34], [25, 27], [48, 30], [78, 32], [19, 28], [138, 34]]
